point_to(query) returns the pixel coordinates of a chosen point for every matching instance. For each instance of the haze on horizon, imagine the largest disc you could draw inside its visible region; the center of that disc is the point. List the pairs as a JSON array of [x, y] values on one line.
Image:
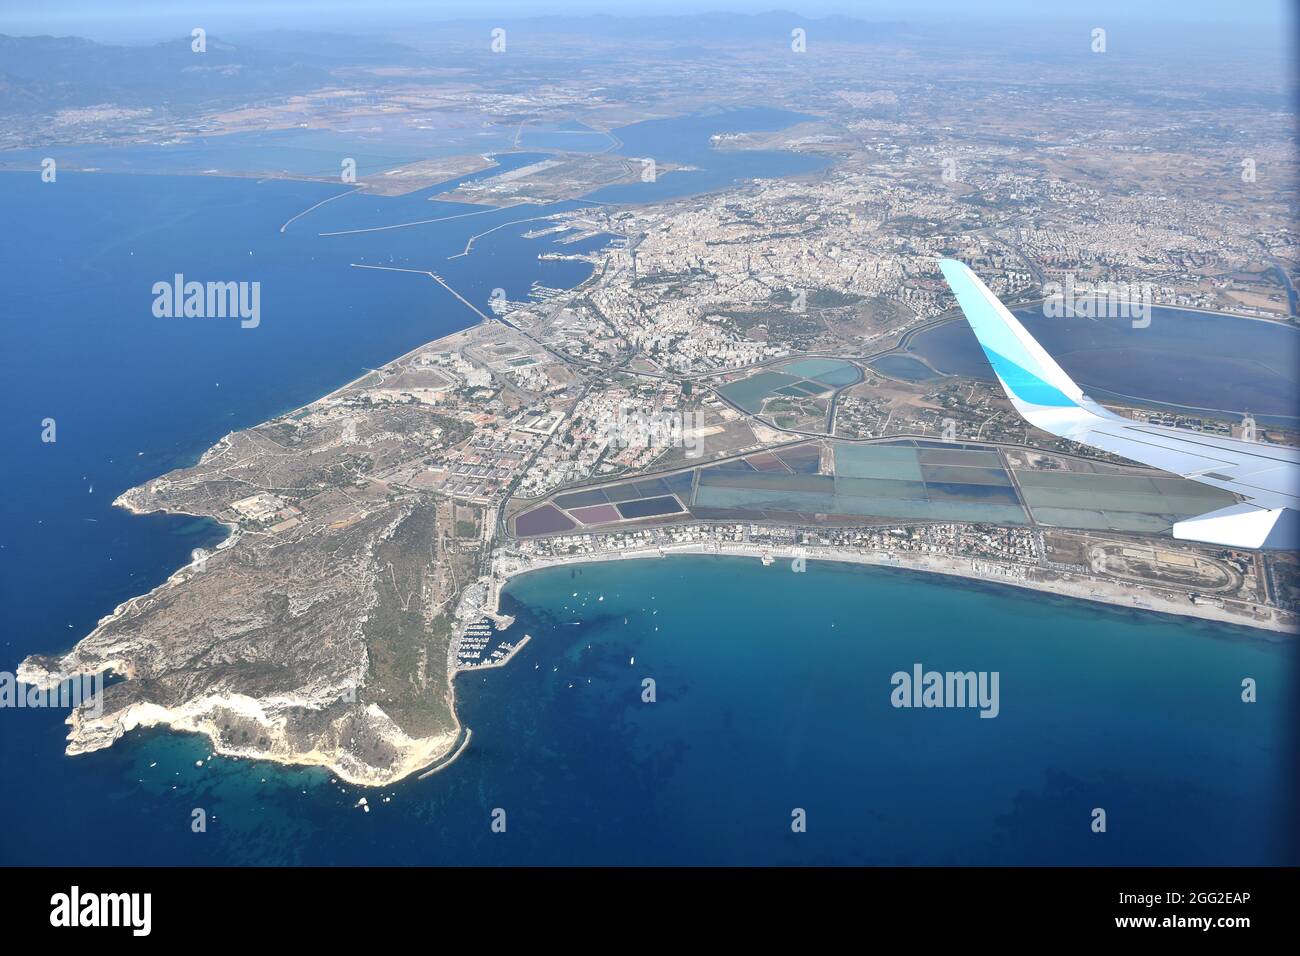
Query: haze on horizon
[[149, 21]]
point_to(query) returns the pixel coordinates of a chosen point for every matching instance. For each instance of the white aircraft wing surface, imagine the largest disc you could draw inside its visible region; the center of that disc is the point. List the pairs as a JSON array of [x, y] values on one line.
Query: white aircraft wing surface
[[1265, 477]]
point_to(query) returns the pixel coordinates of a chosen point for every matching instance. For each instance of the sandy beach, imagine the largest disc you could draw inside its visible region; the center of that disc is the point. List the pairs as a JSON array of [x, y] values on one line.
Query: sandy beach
[[1117, 593]]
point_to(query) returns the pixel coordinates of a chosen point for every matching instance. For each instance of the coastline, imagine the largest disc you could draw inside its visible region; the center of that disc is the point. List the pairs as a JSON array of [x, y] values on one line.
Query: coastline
[[447, 759], [1120, 595], [423, 757], [426, 757], [90, 733], [182, 720]]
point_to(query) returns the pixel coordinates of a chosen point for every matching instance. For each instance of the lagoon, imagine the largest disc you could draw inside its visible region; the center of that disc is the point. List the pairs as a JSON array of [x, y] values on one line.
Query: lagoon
[[1216, 364]]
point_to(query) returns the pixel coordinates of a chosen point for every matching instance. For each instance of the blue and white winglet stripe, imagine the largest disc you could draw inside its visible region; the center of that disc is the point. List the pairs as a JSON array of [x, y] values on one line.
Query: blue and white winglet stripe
[[1027, 373]]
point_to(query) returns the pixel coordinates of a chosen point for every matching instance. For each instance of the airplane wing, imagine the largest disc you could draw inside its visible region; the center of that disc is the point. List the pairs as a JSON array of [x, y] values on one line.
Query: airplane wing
[[1265, 477]]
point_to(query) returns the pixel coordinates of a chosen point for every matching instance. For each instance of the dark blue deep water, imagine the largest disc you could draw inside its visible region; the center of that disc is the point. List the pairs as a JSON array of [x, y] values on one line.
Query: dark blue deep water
[[772, 687]]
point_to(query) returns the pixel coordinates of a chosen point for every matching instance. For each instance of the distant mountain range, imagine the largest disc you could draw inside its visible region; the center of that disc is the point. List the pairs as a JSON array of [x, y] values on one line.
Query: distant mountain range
[[689, 29], [41, 74]]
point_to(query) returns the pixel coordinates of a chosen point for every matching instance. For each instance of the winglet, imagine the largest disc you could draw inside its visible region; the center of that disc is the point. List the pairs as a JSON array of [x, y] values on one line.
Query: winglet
[[1028, 375]]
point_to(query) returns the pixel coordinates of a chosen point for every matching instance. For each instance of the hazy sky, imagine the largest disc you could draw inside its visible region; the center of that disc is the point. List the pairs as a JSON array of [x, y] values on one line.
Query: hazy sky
[[156, 19]]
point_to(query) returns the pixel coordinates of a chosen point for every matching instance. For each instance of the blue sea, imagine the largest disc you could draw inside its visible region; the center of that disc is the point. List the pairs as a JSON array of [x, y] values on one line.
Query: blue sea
[[772, 688]]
